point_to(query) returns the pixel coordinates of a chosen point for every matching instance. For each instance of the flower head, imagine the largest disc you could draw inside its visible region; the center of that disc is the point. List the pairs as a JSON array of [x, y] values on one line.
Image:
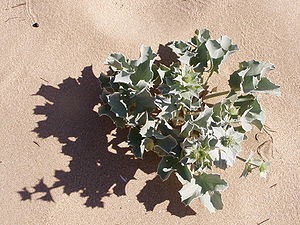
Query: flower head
[[228, 145]]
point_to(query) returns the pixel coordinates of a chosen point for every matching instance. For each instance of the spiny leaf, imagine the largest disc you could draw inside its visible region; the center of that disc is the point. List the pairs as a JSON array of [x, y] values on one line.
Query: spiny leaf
[[214, 49], [248, 78], [123, 77], [144, 101], [117, 61], [216, 200], [105, 81], [210, 182], [206, 187], [166, 144], [219, 50], [179, 47], [267, 87], [135, 140], [166, 166], [147, 130], [143, 65], [256, 68], [203, 118], [190, 191], [105, 109], [254, 115], [117, 105]]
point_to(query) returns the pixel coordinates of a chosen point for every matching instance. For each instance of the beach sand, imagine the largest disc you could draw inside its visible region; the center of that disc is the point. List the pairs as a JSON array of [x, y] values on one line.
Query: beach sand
[[61, 164]]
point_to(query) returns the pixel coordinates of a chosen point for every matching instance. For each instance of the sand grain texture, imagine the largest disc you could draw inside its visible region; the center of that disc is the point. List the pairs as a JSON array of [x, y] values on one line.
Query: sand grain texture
[[53, 144]]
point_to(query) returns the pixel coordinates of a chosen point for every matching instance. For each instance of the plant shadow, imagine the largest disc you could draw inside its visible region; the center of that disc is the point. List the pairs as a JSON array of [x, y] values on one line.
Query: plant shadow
[[97, 164]]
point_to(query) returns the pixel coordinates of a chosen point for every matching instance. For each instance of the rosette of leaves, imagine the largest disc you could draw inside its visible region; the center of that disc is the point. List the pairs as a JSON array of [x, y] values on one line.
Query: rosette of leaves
[[166, 111]]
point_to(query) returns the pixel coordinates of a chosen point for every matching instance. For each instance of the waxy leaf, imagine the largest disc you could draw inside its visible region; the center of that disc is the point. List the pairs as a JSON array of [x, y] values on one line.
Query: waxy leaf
[[179, 47], [105, 109], [116, 61], [254, 115], [135, 140], [216, 200], [190, 191], [211, 182], [203, 35], [207, 188], [123, 77], [166, 144], [265, 86], [148, 129], [143, 64], [166, 166], [105, 81], [117, 105], [212, 201], [144, 101], [248, 78], [214, 49], [219, 50]]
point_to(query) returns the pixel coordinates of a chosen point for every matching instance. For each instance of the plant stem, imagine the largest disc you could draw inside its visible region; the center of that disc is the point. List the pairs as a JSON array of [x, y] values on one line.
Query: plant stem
[[242, 159], [210, 74], [211, 69], [216, 95]]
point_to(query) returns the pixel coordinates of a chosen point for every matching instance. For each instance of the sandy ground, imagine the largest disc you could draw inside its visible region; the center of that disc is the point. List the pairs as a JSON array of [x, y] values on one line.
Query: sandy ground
[[61, 164]]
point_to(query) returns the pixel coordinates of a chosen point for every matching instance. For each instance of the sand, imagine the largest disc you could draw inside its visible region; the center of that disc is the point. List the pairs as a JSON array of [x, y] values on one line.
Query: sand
[[61, 164]]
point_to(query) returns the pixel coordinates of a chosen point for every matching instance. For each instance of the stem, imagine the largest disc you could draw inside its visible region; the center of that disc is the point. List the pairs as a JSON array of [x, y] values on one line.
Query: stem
[[211, 69], [209, 76], [242, 159], [216, 95]]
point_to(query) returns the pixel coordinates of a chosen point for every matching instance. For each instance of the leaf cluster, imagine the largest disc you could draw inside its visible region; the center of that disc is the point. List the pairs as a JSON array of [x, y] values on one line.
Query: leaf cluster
[[166, 111]]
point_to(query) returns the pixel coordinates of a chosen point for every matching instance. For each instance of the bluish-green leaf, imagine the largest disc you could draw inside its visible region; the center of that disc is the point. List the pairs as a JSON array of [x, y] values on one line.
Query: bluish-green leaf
[[166, 166], [256, 68], [147, 130], [135, 140], [253, 115], [116, 60], [144, 64], [105, 109], [190, 191], [216, 200], [214, 48], [267, 87], [105, 81], [210, 182], [144, 101], [117, 105], [219, 50], [122, 77], [203, 35], [248, 78], [203, 118], [166, 143], [179, 47]]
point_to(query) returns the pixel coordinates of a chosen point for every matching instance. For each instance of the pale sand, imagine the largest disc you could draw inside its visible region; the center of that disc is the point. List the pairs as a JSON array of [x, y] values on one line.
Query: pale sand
[[75, 34]]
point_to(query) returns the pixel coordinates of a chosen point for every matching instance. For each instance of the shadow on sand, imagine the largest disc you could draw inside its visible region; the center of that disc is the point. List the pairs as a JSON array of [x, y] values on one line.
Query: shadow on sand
[[93, 169]]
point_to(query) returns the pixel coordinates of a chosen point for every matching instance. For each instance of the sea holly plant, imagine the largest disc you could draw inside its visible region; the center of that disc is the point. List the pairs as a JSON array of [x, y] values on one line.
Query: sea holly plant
[[168, 110]]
